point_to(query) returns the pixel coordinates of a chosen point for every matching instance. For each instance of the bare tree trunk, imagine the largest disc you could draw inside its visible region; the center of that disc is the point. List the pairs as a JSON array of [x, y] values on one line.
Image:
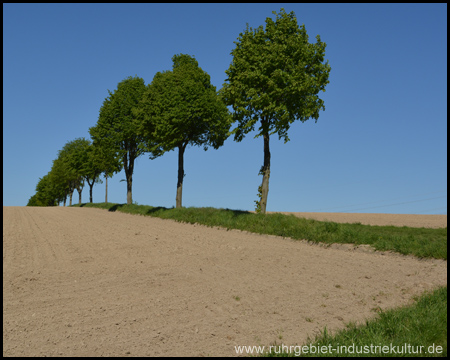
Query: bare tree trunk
[[181, 149], [128, 167], [71, 193], [90, 191], [79, 195], [129, 186], [266, 174], [106, 188]]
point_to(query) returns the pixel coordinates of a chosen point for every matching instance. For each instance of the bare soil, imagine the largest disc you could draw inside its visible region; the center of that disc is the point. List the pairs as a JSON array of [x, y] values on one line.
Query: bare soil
[[427, 221], [88, 282]]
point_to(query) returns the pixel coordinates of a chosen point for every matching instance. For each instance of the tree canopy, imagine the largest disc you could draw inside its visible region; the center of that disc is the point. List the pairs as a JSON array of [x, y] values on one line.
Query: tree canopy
[[275, 76]]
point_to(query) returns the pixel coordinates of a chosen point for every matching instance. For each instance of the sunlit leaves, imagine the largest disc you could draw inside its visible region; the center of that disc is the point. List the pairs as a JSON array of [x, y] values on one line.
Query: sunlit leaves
[[181, 107], [116, 127], [116, 131], [276, 74]]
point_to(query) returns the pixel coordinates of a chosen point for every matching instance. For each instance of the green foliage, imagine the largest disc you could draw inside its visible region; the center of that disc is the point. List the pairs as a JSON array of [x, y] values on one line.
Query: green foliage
[[59, 178], [77, 156], [116, 132], [68, 172], [33, 201], [258, 202], [73, 155], [95, 164], [116, 128], [181, 107], [260, 195], [275, 74], [45, 195]]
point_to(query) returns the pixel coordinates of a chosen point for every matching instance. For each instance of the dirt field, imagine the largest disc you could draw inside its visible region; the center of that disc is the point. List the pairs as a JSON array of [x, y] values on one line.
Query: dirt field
[[88, 282], [428, 221]]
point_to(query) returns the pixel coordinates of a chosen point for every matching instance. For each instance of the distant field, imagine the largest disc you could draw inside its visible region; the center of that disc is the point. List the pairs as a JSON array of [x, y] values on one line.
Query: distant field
[[428, 221]]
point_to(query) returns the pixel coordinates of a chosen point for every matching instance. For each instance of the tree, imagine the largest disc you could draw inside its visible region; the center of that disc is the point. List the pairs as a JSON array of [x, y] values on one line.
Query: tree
[[44, 195], [93, 167], [275, 77], [59, 181], [33, 201], [64, 173], [70, 166], [77, 159], [107, 161], [116, 128], [181, 107]]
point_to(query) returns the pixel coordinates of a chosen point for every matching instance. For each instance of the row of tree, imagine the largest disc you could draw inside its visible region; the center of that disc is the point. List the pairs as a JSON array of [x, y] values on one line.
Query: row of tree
[[78, 162], [274, 79]]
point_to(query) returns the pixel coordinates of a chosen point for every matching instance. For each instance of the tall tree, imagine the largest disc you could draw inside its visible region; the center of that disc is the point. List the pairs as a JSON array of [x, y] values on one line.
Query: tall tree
[[93, 167], [108, 162], [66, 171], [77, 160], [58, 178], [116, 128], [275, 77], [181, 107]]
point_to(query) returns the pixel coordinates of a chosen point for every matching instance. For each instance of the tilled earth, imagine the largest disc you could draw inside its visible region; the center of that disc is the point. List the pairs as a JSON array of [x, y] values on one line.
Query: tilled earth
[[88, 282]]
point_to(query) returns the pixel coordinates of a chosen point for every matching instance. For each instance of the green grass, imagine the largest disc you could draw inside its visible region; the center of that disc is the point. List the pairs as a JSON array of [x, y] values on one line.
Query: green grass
[[420, 242], [423, 324]]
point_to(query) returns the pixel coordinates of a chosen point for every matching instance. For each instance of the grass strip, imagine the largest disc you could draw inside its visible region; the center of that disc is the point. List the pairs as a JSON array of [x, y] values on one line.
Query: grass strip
[[420, 242], [422, 326]]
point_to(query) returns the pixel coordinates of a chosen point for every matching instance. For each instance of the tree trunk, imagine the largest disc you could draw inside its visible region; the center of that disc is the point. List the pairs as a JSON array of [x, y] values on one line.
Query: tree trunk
[[79, 195], [128, 167], [266, 174], [106, 189], [181, 149], [129, 183], [71, 193], [90, 191]]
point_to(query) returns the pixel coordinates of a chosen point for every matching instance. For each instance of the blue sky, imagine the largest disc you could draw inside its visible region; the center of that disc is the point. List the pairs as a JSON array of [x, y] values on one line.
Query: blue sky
[[380, 146]]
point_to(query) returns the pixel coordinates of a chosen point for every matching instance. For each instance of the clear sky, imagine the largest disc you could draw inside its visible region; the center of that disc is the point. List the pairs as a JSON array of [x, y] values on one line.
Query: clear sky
[[380, 146]]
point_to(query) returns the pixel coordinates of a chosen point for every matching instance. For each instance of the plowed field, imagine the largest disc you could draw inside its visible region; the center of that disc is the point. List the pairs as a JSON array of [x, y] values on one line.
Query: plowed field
[[88, 282]]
